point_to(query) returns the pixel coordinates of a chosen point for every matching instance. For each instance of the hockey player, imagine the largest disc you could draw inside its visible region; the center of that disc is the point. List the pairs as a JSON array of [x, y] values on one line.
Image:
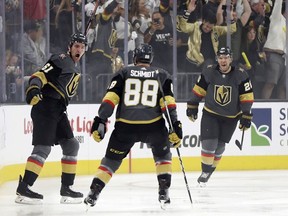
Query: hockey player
[[139, 118], [228, 97], [50, 90]]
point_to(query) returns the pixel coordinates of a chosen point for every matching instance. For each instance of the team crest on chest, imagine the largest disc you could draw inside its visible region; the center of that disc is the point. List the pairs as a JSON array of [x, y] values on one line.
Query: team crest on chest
[[72, 85], [222, 94]]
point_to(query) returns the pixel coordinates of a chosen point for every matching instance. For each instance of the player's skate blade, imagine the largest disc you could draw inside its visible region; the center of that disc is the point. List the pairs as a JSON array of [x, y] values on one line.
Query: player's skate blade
[[28, 201], [163, 204], [70, 200], [90, 202], [164, 200], [203, 179], [201, 184]]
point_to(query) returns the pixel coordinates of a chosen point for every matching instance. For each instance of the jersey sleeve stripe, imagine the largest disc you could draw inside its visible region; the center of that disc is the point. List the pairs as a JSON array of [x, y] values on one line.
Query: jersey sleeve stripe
[[41, 76], [249, 97], [200, 92], [111, 98], [170, 102]]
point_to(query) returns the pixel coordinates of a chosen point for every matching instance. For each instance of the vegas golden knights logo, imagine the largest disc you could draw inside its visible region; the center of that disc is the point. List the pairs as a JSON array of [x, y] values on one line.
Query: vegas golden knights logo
[[222, 94], [113, 38], [72, 85]]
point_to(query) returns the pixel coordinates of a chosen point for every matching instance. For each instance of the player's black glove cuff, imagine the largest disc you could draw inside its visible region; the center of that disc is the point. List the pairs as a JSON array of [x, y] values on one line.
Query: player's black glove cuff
[[192, 111], [245, 120], [33, 95], [98, 129], [178, 129]]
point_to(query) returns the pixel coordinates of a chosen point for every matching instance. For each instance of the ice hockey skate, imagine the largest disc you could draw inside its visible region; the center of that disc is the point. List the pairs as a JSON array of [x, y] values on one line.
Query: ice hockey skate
[[164, 198], [163, 192], [69, 196], [27, 196], [93, 195], [203, 178]]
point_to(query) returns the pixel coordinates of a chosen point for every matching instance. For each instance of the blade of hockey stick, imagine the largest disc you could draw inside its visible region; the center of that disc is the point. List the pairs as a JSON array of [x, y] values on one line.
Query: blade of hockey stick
[[238, 144]]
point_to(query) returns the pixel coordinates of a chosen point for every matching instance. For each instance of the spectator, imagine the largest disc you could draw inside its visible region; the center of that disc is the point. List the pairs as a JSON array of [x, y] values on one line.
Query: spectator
[[33, 46], [14, 79], [63, 24], [140, 19], [103, 47], [210, 7], [160, 37], [275, 49], [152, 6], [258, 12], [250, 46], [12, 9], [203, 38], [194, 15], [165, 10], [197, 14], [12, 24], [89, 8], [35, 10], [54, 6], [120, 28], [236, 37], [259, 19]]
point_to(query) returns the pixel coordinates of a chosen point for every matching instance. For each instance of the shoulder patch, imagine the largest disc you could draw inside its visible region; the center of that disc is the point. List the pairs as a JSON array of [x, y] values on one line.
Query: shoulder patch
[[62, 56], [210, 66], [241, 69]]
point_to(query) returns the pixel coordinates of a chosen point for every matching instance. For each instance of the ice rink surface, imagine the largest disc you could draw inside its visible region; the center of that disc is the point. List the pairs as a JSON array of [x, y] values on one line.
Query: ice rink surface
[[228, 193]]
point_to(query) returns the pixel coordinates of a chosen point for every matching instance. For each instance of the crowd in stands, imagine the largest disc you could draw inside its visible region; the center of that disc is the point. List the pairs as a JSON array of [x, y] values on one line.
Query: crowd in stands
[[254, 29]]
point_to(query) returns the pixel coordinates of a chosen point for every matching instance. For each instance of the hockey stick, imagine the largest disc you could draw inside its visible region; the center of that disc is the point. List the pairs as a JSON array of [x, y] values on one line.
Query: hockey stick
[[238, 144], [91, 18], [177, 149]]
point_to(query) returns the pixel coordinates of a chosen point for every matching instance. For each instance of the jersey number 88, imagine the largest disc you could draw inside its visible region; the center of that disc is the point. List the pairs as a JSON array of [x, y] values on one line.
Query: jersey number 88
[[144, 92]]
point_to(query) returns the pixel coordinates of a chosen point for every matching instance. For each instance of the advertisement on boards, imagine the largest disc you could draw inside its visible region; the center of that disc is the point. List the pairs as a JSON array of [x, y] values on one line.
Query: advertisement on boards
[[267, 135]]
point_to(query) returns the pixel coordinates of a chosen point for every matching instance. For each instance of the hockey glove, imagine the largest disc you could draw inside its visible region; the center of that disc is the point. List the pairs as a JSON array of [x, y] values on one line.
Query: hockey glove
[[192, 111], [176, 136], [98, 129], [33, 95], [245, 121]]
